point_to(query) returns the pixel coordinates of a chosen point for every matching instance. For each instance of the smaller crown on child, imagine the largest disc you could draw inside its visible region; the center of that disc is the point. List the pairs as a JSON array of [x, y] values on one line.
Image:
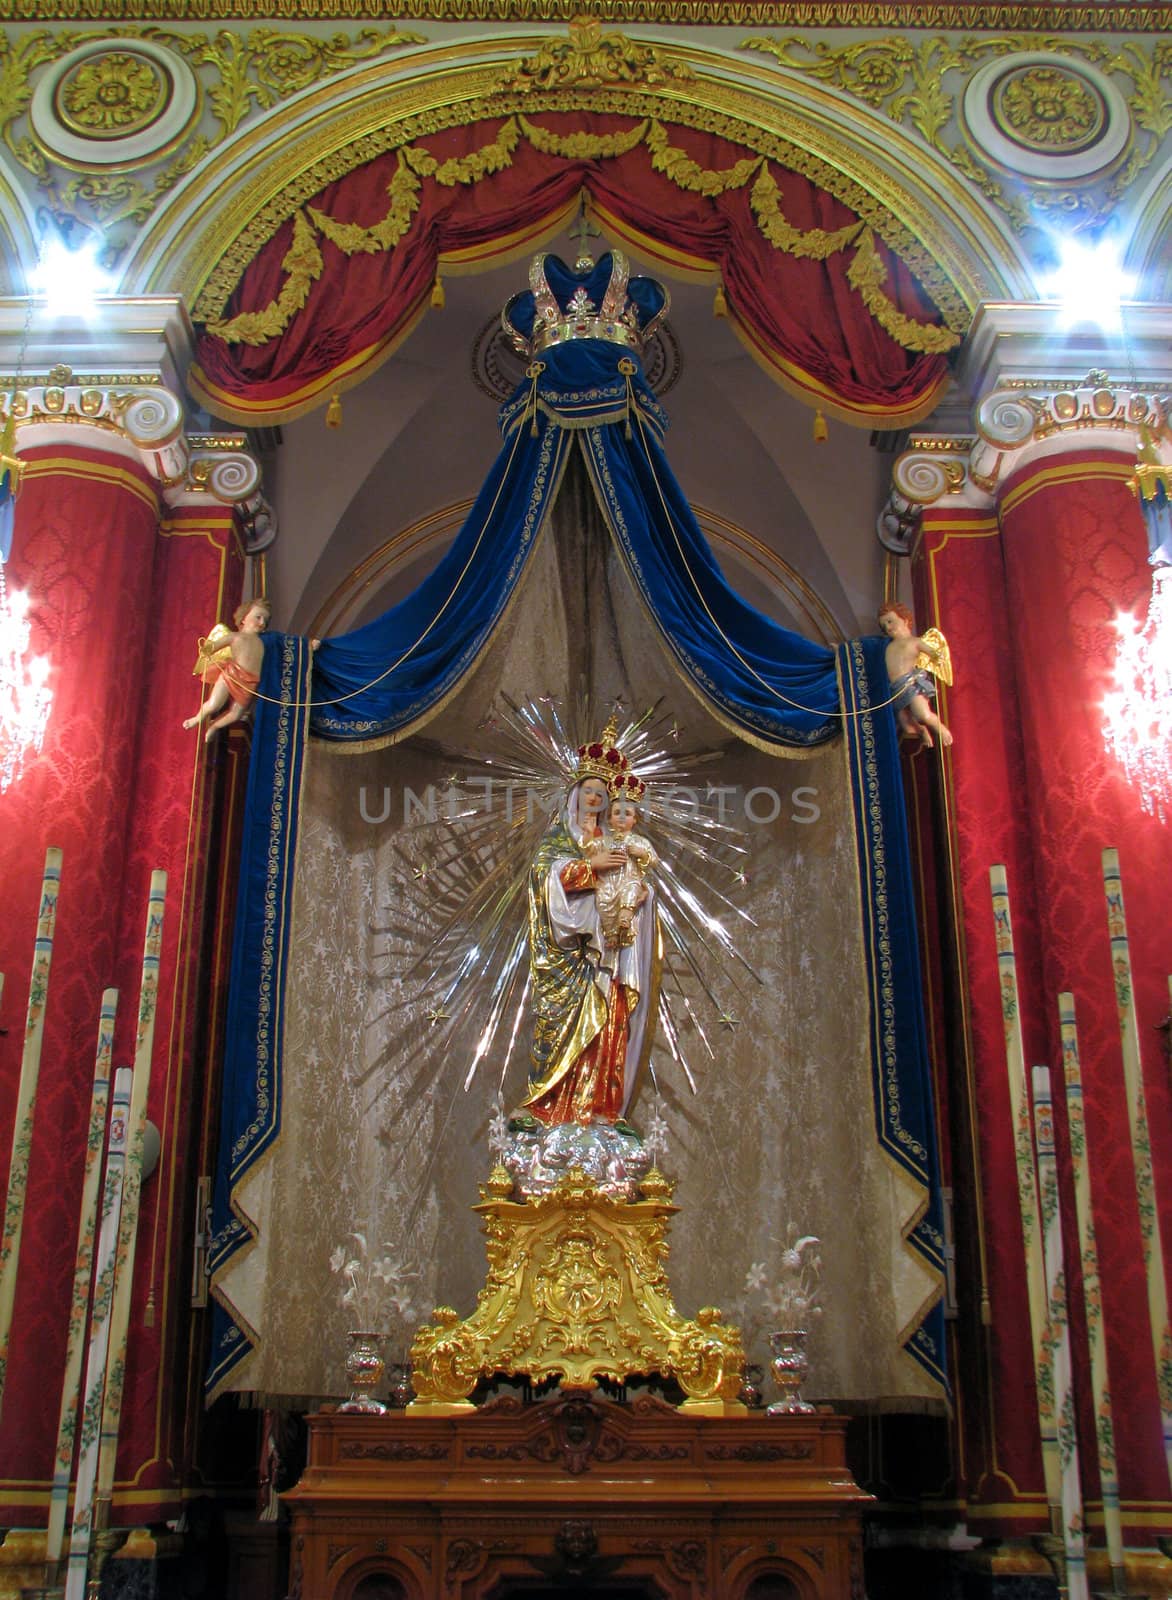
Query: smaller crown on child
[[626, 786], [602, 759]]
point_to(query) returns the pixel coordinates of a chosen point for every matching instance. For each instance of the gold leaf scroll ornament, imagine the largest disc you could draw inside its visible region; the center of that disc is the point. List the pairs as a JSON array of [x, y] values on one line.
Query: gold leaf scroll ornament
[[588, 59]]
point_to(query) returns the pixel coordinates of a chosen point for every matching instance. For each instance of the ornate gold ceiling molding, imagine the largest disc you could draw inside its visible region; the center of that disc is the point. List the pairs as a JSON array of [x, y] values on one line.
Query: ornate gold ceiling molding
[[1050, 130], [107, 148], [1065, 15]]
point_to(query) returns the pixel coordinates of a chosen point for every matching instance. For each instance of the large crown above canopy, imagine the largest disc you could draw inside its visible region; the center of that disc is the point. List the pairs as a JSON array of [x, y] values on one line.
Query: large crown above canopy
[[587, 301]]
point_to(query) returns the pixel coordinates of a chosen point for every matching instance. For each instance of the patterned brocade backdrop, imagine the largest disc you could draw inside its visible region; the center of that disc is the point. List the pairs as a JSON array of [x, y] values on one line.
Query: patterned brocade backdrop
[[118, 786], [378, 1134], [1028, 613]]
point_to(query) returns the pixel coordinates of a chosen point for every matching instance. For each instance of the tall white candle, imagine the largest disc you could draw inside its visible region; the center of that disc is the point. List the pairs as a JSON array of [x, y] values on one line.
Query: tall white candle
[[83, 1267], [1059, 1374], [26, 1102], [1141, 1149]]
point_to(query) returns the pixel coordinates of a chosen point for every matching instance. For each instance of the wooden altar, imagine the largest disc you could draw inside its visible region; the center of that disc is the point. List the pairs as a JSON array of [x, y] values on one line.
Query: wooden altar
[[576, 1495]]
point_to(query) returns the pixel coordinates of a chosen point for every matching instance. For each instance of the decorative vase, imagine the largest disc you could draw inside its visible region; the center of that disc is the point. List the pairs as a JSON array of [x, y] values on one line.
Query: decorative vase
[[751, 1394], [790, 1367], [401, 1392], [364, 1368]]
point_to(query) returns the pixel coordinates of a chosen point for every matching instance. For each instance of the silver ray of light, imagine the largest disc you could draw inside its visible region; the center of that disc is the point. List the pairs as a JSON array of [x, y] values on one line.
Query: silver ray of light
[[457, 911]]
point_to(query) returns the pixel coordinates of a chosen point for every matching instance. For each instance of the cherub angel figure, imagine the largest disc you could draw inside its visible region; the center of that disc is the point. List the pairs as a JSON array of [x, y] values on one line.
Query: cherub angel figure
[[231, 661], [913, 663]]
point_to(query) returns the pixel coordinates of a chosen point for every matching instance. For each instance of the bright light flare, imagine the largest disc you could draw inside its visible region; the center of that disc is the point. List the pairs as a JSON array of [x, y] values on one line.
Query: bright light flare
[[25, 698], [1137, 710], [70, 281], [1090, 284]]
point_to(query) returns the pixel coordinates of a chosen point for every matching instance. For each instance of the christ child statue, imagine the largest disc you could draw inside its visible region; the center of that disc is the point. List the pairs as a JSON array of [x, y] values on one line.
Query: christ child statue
[[620, 894], [913, 663], [231, 661]]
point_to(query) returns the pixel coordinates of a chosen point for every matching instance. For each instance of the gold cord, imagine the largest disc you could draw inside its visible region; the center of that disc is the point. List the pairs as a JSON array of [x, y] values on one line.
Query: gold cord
[[302, 705], [814, 711], [627, 368]]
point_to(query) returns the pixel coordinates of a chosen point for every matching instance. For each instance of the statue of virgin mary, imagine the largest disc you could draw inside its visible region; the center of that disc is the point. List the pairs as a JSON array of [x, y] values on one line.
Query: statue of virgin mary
[[594, 1006]]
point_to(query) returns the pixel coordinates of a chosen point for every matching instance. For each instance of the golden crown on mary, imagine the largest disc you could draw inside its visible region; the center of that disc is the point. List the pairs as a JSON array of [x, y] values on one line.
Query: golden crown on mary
[[603, 758]]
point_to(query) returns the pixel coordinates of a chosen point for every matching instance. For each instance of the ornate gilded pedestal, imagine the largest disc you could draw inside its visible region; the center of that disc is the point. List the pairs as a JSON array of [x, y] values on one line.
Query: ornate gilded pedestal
[[577, 1289]]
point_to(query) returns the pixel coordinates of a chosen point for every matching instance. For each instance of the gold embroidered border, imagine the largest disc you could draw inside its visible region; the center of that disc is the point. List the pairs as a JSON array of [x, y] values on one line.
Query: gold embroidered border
[[303, 261]]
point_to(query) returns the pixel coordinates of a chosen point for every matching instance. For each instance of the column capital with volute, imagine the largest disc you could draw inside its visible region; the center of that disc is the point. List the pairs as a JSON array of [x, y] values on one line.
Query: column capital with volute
[[117, 380], [1028, 387]]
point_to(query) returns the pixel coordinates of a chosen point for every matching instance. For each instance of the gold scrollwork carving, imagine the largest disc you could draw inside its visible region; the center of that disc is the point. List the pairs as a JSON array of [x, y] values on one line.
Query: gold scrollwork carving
[[121, 92], [1099, 16], [1048, 109], [589, 58]]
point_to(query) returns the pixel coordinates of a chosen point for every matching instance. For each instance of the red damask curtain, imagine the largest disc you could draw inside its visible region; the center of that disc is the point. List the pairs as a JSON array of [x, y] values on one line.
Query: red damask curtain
[[812, 321]]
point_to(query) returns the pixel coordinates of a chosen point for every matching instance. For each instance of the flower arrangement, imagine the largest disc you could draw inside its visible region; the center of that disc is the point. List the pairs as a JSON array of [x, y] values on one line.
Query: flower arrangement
[[373, 1285], [792, 1301]]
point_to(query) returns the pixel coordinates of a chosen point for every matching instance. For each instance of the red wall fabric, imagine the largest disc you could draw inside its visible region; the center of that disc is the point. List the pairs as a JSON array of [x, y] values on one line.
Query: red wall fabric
[[802, 315], [117, 786], [84, 549], [1028, 784], [1075, 554]]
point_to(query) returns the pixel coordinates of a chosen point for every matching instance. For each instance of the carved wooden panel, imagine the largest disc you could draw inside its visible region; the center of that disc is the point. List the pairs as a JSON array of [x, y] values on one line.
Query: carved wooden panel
[[576, 1492]]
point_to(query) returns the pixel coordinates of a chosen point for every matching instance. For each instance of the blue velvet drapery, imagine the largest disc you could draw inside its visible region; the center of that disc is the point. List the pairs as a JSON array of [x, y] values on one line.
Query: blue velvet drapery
[[379, 683]]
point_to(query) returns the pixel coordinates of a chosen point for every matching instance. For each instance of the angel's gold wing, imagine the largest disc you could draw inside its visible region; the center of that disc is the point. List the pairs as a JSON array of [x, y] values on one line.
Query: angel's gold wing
[[214, 651], [936, 658]]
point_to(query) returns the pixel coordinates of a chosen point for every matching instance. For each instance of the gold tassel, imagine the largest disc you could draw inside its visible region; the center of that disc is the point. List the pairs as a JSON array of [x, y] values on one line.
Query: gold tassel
[[821, 431], [148, 1316], [719, 303], [334, 411], [438, 298]]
